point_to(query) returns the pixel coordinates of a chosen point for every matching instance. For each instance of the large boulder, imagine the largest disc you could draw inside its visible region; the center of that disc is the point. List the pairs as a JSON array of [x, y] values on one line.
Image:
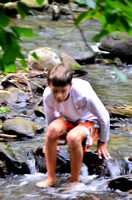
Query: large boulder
[[46, 58], [119, 46], [122, 183], [11, 9], [68, 59], [10, 164], [21, 127], [100, 167]]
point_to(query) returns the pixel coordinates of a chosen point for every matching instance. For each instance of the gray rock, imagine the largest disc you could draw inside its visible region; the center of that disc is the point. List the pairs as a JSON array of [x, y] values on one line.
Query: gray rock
[[17, 97], [39, 111], [20, 127], [80, 53], [4, 95], [46, 59], [68, 59], [119, 46]]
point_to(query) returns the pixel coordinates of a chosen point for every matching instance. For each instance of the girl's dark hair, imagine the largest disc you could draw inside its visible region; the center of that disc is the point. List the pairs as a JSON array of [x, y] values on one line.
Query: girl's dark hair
[[59, 75]]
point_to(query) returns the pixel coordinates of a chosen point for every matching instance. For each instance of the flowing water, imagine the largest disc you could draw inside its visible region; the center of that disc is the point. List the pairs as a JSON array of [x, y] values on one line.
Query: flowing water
[[111, 91]]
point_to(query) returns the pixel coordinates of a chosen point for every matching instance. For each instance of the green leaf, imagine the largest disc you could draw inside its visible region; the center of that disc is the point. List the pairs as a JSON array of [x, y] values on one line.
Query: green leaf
[[24, 64], [4, 110], [82, 16], [22, 9], [121, 75], [9, 68], [76, 66], [2, 67], [25, 32], [40, 2], [4, 20], [11, 48], [35, 55]]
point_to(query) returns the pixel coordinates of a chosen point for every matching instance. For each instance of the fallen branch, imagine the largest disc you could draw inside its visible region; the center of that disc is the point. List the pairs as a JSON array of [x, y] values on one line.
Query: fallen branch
[[7, 136]]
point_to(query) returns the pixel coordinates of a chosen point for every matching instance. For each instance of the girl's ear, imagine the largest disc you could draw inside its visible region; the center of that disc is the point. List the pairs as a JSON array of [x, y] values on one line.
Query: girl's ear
[[70, 85]]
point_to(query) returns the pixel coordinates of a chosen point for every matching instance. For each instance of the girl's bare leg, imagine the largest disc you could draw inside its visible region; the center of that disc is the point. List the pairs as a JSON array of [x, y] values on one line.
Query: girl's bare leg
[[74, 139], [51, 154], [55, 129]]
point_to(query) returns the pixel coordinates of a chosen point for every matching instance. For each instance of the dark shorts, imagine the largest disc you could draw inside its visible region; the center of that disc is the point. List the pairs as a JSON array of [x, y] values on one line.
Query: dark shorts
[[92, 132]]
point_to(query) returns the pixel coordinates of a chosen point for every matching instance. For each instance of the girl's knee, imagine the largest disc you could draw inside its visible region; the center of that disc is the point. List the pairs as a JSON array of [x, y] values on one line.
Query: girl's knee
[[51, 131], [72, 140]]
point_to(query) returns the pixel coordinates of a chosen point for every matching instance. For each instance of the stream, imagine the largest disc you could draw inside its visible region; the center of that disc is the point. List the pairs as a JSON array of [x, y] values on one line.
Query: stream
[[111, 91]]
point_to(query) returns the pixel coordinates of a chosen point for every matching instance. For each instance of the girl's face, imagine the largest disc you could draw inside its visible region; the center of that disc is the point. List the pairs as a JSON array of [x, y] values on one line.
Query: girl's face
[[60, 93]]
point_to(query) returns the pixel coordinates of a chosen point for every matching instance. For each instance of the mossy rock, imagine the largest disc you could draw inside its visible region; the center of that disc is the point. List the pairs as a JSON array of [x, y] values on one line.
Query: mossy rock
[[122, 110]]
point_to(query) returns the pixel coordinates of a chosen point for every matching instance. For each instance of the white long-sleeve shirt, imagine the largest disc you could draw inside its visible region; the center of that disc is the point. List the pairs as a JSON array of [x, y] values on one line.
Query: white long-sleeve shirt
[[82, 104]]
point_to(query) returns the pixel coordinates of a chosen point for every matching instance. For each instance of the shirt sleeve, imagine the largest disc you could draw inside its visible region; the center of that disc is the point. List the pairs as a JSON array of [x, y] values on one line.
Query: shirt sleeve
[[96, 107], [49, 111]]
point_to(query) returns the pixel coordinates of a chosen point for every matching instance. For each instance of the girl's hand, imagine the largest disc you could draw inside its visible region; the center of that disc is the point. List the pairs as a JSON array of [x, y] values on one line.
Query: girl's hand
[[102, 149]]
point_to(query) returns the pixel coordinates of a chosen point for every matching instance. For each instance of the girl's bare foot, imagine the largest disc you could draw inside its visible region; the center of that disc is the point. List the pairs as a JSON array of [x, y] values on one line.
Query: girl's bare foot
[[45, 183]]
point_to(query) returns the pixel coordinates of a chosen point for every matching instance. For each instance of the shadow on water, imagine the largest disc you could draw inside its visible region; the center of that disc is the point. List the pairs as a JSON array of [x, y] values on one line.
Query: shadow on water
[[111, 91]]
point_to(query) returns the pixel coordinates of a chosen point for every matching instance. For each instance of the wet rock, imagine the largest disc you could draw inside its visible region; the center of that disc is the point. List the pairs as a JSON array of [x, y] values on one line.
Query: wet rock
[[82, 53], [34, 5], [10, 9], [37, 88], [63, 162], [95, 165], [36, 102], [118, 46], [100, 167], [3, 169], [4, 96], [46, 59], [55, 11], [68, 59], [40, 160], [130, 158], [17, 98], [20, 127], [122, 110], [39, 111], [10, 164], [122, 183]]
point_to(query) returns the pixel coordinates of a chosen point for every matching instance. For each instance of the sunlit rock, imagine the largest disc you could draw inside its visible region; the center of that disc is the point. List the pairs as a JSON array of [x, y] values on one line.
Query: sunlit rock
[[39, 111], [46, 58], [21, 127], [4, 95]]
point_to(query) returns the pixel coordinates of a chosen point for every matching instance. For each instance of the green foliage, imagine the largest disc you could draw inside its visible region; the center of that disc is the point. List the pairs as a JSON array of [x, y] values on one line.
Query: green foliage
[[114, 16], [10, 50], [4, 20], [26, 32], [76, 66], [121, 75], [22, 9], [40, 2], [4, 110], [35, 55]]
